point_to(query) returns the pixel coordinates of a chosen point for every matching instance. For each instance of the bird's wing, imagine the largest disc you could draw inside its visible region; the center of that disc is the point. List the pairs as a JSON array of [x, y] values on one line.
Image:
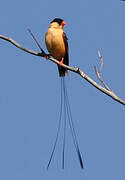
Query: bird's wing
[[66, 57]]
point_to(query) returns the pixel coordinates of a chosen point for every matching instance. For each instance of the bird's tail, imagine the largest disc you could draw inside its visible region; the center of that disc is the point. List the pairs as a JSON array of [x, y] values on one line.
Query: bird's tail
[[66, 114], [62, 71]]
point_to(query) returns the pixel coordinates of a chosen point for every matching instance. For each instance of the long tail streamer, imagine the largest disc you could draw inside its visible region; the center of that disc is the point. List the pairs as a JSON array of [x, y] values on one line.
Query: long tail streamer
[[67, 115]]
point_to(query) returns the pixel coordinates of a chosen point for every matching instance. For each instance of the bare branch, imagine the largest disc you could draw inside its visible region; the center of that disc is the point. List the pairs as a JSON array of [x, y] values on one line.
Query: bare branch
[[19, 46], [101, 60], [38, 44], [104, 89], [98, 73]]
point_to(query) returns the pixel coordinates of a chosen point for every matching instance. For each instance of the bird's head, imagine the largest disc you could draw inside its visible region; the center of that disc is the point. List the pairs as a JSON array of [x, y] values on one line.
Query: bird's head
[[57, 23]]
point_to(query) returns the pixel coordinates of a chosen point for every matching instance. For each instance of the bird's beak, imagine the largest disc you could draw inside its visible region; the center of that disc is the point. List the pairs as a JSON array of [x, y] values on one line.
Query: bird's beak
[[63, 23]]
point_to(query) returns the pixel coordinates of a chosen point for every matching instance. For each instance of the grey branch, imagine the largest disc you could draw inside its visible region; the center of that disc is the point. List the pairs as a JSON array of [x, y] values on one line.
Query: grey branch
[[106, 90], [98, 73]]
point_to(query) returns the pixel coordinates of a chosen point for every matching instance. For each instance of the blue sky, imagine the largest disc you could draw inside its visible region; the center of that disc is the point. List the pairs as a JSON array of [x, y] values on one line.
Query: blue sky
[[30, 91]]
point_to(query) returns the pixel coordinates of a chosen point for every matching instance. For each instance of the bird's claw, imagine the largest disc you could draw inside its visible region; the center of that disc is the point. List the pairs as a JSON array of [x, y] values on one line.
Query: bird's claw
[[47, 56], [61, 62]]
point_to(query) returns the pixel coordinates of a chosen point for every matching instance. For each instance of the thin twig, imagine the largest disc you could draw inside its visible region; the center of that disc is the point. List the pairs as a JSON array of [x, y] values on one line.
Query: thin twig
[[101, 60], [73, 69], [98, 73], [38, 44]]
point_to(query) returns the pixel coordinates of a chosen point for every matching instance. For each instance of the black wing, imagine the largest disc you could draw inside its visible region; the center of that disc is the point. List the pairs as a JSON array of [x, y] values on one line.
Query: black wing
[[66, 57], [62, 70]]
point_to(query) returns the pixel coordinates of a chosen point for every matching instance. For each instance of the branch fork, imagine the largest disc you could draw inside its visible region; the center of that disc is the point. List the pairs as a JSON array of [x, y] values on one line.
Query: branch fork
[[105, 88]]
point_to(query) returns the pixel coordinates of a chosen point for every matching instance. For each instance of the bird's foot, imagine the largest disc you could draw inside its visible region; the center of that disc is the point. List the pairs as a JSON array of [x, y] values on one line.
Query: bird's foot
[[47, 56], [61, 62]]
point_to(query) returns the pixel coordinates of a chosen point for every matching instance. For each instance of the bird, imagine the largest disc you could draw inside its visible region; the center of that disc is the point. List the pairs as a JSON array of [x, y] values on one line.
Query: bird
[[57, 44]]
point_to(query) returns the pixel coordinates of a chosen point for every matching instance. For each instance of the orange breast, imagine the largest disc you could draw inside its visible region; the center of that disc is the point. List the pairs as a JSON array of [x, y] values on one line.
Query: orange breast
[[55, 43]]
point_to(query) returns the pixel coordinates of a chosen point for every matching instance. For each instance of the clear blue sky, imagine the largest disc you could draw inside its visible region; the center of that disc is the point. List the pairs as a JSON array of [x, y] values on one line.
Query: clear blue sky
[[30, 91]]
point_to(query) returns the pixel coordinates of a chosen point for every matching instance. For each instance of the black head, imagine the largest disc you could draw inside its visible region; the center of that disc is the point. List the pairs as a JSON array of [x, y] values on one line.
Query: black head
[[58, 20]]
